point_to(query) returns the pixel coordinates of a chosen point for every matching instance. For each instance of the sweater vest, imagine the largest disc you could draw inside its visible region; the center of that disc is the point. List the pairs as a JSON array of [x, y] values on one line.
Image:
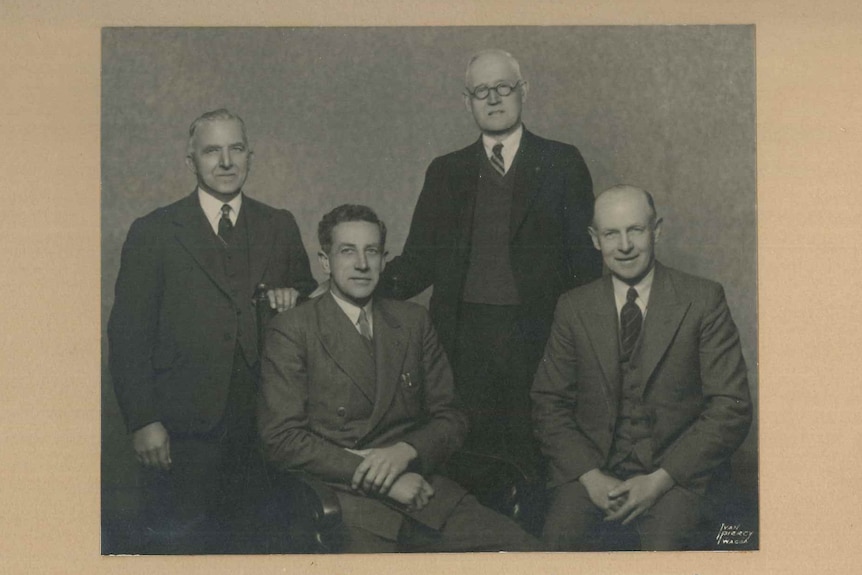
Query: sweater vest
[[489, 276]]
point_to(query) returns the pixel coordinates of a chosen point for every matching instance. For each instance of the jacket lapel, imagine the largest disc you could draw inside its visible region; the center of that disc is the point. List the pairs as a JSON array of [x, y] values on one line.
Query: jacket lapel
[[390, 348], [465, 181], [528, 175], [601, 325], [341, 341], [665, 312], [260, 232], [194, 233]]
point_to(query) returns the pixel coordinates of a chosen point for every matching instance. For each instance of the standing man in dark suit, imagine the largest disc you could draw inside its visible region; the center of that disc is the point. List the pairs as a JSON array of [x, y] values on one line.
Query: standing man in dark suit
[[357, 392], [642, 395], [183, 340], [499, 231]]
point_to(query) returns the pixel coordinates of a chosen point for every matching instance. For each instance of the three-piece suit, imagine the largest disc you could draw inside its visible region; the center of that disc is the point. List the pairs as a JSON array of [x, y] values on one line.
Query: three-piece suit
[[688, 382], [184, 345]]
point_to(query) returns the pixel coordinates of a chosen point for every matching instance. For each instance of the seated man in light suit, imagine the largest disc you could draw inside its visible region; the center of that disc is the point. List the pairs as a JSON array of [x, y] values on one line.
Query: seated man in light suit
[[357, 392], [642, 395]]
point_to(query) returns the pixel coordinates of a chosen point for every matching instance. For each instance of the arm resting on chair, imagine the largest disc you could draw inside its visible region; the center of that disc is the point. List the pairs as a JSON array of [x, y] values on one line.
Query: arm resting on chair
[[496, 482]]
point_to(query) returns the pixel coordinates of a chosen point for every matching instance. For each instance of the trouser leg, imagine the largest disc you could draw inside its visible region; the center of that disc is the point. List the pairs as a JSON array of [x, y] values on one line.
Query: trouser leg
[[494, 364], [177, 516], [206, 502], [352, 539], [674, 522], [572, 520], [470, 527]]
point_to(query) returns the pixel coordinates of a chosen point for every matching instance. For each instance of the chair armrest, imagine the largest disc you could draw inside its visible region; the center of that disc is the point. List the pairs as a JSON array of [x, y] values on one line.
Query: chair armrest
[[496, 482], [319, 499], [310, 508]]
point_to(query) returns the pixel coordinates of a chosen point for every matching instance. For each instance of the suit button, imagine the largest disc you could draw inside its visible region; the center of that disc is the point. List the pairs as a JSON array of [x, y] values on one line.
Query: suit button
[[341, 412]]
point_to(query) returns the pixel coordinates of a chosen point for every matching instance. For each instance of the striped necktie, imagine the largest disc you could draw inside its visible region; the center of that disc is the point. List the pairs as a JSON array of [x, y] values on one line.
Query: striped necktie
[[631, 320], [497, 159]]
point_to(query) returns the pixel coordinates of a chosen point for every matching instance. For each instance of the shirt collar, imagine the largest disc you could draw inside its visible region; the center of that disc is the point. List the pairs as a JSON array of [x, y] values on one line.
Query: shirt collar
[[511, 143], [212, 208], [643, 288], [352, 310]]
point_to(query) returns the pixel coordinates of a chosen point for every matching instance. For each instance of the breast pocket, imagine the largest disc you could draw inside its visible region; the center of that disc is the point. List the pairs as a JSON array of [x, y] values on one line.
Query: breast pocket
[[411, 390]]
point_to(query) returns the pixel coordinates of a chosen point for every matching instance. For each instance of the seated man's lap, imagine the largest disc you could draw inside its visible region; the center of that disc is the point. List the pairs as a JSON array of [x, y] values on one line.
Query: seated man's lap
[[574, 523], [470, 527]]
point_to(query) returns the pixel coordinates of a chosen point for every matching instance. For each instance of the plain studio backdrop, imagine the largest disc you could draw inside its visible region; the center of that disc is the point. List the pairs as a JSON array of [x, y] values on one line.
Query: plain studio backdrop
[[355, 115]]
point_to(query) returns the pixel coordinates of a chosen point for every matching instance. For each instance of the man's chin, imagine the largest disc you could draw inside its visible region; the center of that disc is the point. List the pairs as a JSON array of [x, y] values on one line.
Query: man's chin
[[359, 298], [500, 131], [224, 195]]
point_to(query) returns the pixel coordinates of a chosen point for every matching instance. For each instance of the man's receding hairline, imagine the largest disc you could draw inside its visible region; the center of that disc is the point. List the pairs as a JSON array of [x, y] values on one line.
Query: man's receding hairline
[[619, 189], [513, 62]]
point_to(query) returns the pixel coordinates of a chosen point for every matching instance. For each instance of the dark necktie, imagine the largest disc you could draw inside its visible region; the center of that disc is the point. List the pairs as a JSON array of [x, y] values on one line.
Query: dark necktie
[[631, 320], [225, 226], [497, 159]]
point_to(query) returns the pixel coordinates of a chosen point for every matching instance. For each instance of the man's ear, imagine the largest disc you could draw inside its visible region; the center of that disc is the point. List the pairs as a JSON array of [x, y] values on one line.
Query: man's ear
[[467, 105], [383, 261], [595, 237], [524, 89], [323, 258], [656, 230], [190, 164]]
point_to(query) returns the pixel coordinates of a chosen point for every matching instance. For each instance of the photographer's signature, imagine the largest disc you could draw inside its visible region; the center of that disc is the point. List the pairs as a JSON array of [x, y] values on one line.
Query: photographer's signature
[[733, 534]]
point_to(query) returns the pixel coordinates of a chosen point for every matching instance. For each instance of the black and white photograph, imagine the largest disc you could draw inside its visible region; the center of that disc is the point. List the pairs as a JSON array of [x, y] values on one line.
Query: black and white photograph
[[487, 286], [544, 238]]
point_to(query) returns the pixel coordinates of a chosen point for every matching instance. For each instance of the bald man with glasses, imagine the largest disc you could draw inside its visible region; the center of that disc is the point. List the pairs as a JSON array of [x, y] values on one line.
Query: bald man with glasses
[[499, 231]]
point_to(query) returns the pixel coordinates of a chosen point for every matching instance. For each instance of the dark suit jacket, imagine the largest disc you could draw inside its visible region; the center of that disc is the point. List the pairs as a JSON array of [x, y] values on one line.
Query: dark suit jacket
[[549, 245], [694, 380], [173, 328], [317, 401]]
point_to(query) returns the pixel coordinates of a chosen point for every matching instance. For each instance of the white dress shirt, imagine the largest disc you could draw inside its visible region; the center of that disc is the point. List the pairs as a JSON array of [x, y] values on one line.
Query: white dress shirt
[[352, 310], [643, 288], [511, 143], [212, 208]]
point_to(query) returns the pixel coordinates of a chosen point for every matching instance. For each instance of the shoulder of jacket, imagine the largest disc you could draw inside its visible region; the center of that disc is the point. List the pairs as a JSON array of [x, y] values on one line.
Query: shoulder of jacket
[[586, 293], [695, 287], [404, 311], [459, 155]]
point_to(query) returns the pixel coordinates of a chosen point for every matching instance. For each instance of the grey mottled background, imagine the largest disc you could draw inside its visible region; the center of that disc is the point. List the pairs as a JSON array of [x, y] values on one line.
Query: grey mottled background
[[356, 114]]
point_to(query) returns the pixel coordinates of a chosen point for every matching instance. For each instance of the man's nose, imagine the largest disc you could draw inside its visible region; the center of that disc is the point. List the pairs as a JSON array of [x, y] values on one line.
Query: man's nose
[[625, 243], [361, 262], [225, 160], [494, 97]]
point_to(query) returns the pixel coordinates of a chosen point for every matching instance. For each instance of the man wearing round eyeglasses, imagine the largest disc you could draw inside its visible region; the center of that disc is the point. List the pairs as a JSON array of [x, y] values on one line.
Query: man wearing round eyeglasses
[[499, 231]]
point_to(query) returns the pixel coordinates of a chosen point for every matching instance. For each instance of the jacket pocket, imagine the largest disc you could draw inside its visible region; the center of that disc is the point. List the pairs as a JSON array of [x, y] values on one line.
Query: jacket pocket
[[411, 390]]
